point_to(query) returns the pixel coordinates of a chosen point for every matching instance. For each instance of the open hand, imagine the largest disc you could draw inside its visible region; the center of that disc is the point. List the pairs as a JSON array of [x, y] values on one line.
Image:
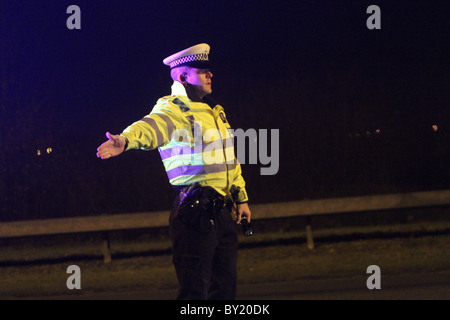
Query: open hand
[[111, 148]]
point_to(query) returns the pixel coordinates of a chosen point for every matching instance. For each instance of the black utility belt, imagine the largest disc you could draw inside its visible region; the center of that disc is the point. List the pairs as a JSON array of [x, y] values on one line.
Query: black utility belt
[[199, 206], [206, 198]]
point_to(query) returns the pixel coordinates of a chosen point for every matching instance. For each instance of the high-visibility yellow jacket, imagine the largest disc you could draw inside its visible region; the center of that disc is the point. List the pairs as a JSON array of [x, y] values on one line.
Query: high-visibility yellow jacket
[[193, 140]]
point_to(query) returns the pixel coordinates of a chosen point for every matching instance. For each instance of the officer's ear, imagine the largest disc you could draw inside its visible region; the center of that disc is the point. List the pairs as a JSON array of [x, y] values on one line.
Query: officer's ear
[[183, 77]]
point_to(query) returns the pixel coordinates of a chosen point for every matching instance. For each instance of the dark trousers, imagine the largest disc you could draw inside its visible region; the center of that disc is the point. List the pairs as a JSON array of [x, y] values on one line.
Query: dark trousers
[[205, 256]]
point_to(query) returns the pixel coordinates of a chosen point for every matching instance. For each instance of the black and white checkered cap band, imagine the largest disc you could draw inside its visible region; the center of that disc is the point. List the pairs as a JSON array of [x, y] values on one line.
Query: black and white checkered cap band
[[191, 58]]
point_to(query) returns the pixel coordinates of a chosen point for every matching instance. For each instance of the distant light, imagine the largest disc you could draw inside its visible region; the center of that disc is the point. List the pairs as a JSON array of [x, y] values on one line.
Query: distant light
[[378, 131], [49, 150], [38, 152], [435, 127]]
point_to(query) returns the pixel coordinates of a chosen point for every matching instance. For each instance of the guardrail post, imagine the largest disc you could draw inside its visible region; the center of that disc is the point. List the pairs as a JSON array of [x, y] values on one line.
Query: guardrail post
[[106, 247], [309, 235]]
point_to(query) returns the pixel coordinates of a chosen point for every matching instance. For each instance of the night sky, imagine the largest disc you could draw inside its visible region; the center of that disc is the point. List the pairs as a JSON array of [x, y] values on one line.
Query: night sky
[[355, 107]]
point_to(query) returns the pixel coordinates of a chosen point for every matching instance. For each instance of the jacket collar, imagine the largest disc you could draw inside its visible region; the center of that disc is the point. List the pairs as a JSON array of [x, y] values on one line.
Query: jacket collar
[[178, 89]]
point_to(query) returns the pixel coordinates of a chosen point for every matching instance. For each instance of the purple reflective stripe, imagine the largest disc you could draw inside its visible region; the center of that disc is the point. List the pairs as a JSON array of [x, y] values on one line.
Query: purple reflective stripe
[[195, 170], [175, 151], [185, 170]]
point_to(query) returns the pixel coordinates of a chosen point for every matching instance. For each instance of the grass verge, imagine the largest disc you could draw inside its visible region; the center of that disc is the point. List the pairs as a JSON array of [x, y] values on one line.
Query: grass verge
[[36, 271]]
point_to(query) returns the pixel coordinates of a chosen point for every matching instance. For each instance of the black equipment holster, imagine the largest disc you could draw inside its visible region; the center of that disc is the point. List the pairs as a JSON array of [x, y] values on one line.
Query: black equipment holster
[[198, 205]]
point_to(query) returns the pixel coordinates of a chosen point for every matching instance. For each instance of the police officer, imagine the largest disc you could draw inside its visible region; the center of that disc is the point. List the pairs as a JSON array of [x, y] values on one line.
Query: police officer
[[192, 135]]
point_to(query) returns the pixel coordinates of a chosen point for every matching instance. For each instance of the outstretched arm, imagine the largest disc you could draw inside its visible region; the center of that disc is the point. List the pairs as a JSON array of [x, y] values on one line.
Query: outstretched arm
[[111, 148]]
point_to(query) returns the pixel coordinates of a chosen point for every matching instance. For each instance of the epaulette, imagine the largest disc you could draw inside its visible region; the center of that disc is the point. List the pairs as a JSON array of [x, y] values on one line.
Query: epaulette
[[173, 101], [183, 107]]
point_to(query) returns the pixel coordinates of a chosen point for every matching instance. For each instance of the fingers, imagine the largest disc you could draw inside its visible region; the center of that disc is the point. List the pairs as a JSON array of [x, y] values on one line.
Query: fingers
[[111, 148], [104, 156], [243, 210], [241, 215], [104, 151]]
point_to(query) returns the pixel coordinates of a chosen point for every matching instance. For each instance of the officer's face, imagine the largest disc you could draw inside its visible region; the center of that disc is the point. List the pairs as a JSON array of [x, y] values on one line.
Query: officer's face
[[200, 80]]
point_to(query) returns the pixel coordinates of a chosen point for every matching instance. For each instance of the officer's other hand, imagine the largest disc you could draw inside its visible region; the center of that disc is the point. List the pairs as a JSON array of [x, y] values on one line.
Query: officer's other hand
[[243, 210], [111, 148]]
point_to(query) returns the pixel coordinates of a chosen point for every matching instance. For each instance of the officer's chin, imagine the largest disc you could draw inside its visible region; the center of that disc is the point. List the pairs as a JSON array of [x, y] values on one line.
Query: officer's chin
[[206, 92]]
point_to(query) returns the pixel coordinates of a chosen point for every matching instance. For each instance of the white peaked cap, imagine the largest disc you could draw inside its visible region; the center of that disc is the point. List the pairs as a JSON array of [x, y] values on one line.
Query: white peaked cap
[[196, 57]]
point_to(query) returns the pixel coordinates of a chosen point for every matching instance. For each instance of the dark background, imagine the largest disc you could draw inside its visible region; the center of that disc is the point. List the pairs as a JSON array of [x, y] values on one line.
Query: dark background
[[311, 69]]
